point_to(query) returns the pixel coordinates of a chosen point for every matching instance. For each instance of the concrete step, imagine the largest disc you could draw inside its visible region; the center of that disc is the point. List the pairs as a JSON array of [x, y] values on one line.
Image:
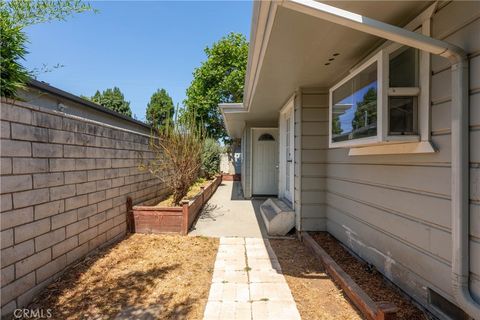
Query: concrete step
[[278, 217]]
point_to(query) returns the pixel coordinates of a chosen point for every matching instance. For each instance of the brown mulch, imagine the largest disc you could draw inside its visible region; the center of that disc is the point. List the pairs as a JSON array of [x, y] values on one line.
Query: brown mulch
[[368, 278], [315, 294], [142, 277]]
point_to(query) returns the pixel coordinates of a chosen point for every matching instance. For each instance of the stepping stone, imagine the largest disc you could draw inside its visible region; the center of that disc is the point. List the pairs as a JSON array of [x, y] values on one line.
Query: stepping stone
[[230, 276], [271, 291], [264, 264], [228, 310], [230, 264], [274, 310], [229, 292], [232, 240], [278, 217], [270, 276]]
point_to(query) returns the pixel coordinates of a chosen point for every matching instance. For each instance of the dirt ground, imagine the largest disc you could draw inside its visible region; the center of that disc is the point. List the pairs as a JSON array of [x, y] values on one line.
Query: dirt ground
[[315, 294], [368, 278], [142, 277]]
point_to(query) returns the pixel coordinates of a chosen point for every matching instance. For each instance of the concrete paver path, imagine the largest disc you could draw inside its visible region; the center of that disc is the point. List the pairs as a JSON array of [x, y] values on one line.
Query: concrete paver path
[[247, 283], [247, 280]]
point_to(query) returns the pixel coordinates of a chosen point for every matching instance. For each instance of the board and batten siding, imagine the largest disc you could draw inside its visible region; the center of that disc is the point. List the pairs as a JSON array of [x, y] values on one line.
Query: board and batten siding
[[311, 134], [394, 210]]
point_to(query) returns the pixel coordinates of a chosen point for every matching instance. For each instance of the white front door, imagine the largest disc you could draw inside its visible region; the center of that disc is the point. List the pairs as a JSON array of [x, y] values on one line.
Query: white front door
[[265, 161]]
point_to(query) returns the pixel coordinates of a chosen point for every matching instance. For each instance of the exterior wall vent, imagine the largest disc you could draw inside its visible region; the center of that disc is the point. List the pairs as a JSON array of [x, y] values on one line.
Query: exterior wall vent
[[446, 307]]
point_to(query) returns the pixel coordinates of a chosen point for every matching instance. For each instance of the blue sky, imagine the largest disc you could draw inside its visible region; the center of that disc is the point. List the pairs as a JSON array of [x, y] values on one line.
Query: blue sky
[[137, 46]]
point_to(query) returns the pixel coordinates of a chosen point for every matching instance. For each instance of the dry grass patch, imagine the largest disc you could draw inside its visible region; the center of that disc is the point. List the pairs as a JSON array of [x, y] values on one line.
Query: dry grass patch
[[144, 276], [314, 292], [368, 278]]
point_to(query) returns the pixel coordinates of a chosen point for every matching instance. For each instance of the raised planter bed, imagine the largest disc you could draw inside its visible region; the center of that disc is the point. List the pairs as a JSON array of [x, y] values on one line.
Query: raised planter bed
[[231, 177], [155, 219]]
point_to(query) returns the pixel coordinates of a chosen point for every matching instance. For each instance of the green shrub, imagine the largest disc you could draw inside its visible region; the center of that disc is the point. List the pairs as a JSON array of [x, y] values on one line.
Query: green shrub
[[15, 15], [12, 51], [211, 158]]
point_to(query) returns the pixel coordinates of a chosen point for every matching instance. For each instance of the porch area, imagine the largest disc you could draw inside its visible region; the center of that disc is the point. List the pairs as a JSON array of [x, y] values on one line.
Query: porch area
[[228, 214]]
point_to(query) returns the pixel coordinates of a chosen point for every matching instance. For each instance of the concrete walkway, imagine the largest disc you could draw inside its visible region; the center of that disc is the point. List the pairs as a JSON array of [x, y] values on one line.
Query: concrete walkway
[[227, 213], [247, 280]]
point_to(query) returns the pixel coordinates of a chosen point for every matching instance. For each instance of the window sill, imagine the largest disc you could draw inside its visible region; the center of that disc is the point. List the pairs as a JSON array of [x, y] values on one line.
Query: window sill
[[398, 148]]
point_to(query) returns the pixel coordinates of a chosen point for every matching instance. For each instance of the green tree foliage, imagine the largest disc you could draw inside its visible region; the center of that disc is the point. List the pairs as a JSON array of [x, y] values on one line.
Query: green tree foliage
[[336, 128], [366, 113], [15, 15], [113, 99], [220, 79], [211, 158], [160, 109]]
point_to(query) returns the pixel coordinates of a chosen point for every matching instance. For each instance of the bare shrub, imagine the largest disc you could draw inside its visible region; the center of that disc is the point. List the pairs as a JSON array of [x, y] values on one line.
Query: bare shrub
[[177, 155]]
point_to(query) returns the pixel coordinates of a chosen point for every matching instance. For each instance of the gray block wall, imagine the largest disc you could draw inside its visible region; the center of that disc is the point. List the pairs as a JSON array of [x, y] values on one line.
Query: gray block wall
[[64, 183]]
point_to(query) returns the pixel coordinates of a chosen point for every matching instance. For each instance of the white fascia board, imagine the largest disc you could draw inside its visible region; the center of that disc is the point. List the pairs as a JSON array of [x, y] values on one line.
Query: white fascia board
[[229, 107], [262, 22], [232, 108]]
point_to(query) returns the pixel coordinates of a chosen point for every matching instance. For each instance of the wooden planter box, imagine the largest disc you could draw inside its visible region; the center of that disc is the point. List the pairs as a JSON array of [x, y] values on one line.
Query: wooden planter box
[[231, 177], [151, 219]]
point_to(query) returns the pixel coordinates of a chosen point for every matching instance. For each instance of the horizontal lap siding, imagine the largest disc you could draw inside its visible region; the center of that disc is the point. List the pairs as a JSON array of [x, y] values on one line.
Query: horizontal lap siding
[[394, 210], [311, 129], [64, 184]]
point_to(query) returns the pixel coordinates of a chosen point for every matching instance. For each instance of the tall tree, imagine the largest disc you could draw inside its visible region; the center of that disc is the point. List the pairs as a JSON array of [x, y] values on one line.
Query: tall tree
[[160, 109], [113, 99], [15, 15], [220, 79]]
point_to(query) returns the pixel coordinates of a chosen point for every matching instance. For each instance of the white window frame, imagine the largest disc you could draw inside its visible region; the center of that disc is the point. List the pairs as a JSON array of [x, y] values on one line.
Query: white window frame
[[422, 92], [378, 59]]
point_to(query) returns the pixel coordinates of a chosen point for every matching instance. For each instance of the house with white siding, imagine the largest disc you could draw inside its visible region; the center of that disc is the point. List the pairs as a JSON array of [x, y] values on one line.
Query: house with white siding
[[362, 119]]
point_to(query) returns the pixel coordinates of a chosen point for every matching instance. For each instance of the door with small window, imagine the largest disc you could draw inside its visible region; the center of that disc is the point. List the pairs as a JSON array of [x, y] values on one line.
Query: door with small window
[[265, 161]]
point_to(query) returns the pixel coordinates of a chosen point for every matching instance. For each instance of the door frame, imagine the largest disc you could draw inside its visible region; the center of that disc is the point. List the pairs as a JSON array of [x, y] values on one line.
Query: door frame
[[251, 153], [288, 108]]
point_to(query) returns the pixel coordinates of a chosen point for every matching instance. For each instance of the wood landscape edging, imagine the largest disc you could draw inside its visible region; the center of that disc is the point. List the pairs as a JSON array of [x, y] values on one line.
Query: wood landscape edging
[[370, 309]]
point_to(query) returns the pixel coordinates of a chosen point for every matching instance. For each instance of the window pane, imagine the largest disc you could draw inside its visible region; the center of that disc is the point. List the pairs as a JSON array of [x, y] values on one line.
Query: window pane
[[266, 137], [404, 68], [402, 113], [354, 111]]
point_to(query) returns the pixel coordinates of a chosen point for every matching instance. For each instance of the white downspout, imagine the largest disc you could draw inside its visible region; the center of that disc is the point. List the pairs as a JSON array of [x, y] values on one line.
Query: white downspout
[[460, 205]]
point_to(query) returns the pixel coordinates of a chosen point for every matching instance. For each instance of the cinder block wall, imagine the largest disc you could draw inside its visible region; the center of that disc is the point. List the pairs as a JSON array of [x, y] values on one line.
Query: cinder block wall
[[64, 184]]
